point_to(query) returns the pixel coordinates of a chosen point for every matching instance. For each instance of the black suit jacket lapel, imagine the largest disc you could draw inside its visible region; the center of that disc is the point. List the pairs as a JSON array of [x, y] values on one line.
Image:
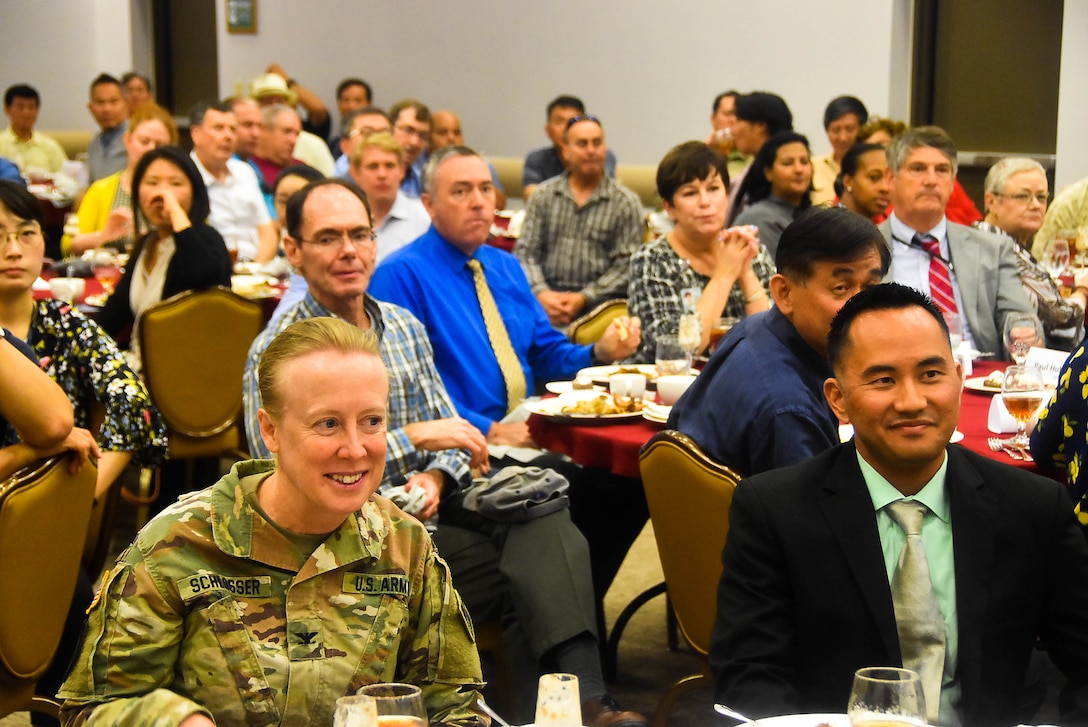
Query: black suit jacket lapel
[[848, 510], [973, 515]]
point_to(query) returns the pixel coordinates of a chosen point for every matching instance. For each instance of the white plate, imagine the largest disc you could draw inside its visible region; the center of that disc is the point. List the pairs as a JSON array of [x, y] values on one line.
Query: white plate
[[978, 383], [553, 409], [656, 412], [846, 431], [253, 286], [805, 720], [563, 387], [601, 373]]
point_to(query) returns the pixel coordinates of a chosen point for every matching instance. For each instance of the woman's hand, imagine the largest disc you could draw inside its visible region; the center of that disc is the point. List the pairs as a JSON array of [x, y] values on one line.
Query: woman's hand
[[737, 248], [118, 224], [179, 218]]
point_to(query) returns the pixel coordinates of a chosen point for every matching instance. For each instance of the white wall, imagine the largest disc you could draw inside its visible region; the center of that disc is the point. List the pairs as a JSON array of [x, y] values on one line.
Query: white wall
[[649, 69], [59, 46], [1073, 97]]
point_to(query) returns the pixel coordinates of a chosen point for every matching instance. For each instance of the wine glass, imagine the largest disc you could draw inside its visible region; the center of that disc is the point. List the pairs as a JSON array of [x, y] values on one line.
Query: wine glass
[[721, 327], [1022, 392], [1056, 259], [106, 271], [955, 330], [397, 705], [886, 696], [690, 333], [557, 701], [670, 357], [1022, 331], [355, 711]]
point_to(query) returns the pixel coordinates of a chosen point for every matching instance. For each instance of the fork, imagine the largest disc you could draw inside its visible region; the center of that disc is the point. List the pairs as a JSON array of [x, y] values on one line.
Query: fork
[[996, 444]]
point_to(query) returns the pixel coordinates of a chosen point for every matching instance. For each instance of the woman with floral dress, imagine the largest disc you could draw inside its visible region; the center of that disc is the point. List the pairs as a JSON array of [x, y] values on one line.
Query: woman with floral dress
[[72, 349]]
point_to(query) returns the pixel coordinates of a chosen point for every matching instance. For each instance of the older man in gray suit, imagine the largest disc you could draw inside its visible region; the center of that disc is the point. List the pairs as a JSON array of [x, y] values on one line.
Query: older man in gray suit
[[966, 271]]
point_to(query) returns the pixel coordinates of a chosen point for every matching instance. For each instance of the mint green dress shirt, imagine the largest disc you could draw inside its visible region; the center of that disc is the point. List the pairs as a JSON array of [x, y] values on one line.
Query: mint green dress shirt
[[937, 541]]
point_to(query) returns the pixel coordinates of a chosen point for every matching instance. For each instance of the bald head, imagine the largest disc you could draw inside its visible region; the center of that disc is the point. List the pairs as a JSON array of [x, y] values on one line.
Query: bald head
[[445, 130]]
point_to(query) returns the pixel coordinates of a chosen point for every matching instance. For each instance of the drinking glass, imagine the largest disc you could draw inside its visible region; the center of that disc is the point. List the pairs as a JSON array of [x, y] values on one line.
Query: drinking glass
[[397, 705], [671, 358], [1022, 331], [557, 701], [1022, 392], [885, 696], [721, 327], [106, 271], [955, 330], [690, 333], [1056, 258], [355, 711]]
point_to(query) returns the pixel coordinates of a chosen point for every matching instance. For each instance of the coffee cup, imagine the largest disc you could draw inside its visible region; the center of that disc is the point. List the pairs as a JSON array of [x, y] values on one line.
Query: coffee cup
[[670, 388], [632, 385]]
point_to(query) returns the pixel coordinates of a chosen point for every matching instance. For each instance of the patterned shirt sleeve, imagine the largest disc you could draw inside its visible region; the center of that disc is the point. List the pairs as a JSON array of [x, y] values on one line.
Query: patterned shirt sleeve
[[416, 393], [530, 247], [627, 237], [87, 364], [1060, 438]]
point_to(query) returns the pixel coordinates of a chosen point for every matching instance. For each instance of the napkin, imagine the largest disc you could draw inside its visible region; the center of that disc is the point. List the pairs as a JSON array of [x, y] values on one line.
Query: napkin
[[999, 420]]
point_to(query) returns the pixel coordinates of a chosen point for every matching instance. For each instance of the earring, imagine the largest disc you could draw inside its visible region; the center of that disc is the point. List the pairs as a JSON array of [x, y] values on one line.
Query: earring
[[849, 189]]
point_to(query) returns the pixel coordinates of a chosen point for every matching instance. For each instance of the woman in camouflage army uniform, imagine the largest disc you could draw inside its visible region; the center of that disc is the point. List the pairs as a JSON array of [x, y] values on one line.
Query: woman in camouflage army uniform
[[288, 583]]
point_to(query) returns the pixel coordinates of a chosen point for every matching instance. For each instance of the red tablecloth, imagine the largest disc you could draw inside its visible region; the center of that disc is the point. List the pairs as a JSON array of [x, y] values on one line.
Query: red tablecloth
[[615, 447]]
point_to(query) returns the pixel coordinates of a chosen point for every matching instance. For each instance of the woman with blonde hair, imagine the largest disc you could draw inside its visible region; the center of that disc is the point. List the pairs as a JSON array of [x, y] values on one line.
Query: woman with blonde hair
[[289, 582], [105, 215]]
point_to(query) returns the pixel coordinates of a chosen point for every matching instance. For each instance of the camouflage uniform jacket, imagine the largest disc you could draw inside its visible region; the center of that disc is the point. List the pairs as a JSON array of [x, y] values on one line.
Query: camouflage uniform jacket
[[207, 611]]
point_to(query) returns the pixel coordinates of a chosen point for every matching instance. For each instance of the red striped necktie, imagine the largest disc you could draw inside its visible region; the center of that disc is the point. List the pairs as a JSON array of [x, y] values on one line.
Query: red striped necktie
[[940, 280]]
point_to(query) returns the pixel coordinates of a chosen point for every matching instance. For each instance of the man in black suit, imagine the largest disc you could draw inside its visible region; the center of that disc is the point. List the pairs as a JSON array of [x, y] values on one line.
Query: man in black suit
[[805, 597]]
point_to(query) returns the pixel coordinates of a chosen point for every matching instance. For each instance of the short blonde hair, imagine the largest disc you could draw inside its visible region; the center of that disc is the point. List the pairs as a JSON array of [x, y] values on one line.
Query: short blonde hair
[[151, 111], [301, 338], [382, 140]]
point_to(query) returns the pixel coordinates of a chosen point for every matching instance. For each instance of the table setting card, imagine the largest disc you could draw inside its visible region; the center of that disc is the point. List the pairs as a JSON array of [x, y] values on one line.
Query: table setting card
[[1048, 361]]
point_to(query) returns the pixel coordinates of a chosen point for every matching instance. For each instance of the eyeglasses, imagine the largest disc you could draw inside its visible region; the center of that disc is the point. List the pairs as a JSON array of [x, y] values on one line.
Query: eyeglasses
[[412, 131], [365, 131], [583, 117], [25, 237], [360, 237], [1025, 198]]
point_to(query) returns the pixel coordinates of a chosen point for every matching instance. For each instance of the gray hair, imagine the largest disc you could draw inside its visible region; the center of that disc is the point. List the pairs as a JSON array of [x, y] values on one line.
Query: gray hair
[[918, 137], [999, 173], [269, 114], [436, 159]]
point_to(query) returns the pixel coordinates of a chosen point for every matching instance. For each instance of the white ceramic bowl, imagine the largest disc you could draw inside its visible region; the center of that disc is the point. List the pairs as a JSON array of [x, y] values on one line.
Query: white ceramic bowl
[[669, 388]]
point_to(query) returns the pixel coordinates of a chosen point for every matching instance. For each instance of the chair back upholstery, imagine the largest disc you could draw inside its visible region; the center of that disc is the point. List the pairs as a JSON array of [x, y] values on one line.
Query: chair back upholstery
[[104, 510], [689, 496], [193, 348], [590, 327], [44, 511]]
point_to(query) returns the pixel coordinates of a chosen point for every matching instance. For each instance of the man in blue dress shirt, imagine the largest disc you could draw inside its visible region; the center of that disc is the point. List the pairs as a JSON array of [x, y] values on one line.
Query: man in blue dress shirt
[[433, 278]]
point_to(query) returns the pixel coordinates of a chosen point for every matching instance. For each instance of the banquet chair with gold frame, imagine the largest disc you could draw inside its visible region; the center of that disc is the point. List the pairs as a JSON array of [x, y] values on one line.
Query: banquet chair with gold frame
[[688, 493], [193, 349], [590, 327], [44, 512]]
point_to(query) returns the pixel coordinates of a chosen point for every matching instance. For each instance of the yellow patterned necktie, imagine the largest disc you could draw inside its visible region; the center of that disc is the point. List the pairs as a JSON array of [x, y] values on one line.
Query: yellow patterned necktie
[[917, 615], [509, 363]]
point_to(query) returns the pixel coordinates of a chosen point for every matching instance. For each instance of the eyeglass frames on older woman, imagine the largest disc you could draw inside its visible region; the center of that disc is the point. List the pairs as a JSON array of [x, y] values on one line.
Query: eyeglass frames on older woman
[[1025, 198]]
